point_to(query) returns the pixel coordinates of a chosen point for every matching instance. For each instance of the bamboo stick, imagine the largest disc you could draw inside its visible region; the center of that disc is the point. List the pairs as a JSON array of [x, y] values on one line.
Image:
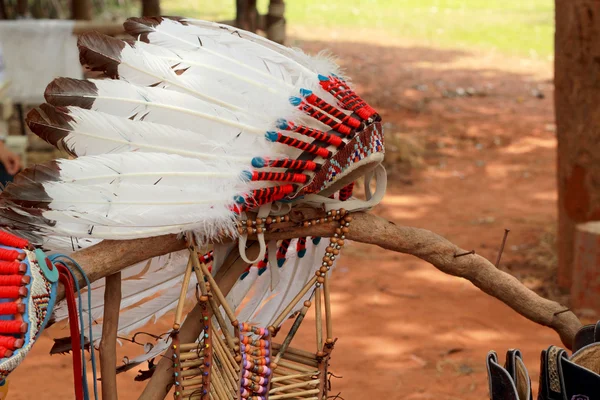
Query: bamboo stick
[[229, 369], [196, 391], [228, 387], [199, 275], [299, 359], [190, 356], [295, 367], [313, 382], [295, 394], [228, 354], [221, 321], [108, 343], [328, 319], [192, 382], [288, 339], [293, 376], [294, 301], [318, 320], [217, 383], [191, 372], [215, 289], [292, 350], [190, 346], [182, 295], [289, 382], [193, 363]]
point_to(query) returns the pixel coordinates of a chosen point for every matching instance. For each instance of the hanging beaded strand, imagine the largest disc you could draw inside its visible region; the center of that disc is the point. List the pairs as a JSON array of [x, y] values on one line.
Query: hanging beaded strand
[[256, 362]]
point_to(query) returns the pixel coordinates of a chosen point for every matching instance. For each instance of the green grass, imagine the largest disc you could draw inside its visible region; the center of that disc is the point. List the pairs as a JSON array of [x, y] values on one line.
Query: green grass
[[522, 27]]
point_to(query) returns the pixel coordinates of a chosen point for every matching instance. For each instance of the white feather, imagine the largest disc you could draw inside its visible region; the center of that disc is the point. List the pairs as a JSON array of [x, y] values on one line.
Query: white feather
[[96, 133], [178, 110], [133, 289], [150, 311], [322, 63], [259, 304], [118, 195]]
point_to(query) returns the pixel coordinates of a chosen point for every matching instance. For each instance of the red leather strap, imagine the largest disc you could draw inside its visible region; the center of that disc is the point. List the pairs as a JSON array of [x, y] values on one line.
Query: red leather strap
[[67, 280]]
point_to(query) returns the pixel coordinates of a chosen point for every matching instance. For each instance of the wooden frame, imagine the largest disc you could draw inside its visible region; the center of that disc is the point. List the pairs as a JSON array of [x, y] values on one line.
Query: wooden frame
[[109, 257]]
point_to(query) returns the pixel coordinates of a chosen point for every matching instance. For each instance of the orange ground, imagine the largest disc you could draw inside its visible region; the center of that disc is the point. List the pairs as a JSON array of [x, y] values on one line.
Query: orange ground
[[487, 162]]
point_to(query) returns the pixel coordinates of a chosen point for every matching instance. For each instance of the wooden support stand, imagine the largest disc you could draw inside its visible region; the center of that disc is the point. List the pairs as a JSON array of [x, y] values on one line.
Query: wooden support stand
[[585, 289]]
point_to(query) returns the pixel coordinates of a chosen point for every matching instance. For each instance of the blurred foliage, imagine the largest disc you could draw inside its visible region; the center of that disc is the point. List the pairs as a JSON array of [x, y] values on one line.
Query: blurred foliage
[[61, 9], [520, 27]]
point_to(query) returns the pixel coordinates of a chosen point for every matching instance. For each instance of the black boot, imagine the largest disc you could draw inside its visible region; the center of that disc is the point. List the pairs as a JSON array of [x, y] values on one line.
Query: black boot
[[576, 377], [510, 382]]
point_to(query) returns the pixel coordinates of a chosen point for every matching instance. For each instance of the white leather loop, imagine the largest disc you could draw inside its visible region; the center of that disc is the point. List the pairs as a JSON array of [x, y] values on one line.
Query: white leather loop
[[263, 212], [355, 204]]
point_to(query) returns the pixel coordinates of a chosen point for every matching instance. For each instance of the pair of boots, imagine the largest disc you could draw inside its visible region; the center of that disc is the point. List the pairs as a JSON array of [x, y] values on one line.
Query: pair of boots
[[562, 377]]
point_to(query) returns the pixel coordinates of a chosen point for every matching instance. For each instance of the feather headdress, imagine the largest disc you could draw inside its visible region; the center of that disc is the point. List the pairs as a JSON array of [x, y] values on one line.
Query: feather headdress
[[193, 124]]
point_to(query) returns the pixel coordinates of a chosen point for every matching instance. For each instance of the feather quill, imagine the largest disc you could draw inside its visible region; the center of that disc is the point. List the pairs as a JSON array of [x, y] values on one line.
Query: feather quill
[[83, 132], [126, 195]]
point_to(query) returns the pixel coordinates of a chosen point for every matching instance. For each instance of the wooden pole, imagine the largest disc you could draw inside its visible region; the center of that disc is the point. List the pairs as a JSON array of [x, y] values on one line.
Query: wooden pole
[[108, 343], [318, 320], [576, 99], [184, 287], [109, 257]]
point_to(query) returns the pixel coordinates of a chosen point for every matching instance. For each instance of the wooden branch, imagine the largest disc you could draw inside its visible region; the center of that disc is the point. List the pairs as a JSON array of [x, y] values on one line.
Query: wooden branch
[[109, 257], [108, 343]]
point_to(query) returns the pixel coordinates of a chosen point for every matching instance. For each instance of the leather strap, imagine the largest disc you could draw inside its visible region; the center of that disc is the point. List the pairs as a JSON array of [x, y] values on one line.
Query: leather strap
[[263, 212], [67, 280], [354, 204]]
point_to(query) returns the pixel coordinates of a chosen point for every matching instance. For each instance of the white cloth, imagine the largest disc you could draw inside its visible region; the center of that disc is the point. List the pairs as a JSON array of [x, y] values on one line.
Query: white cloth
[[36, 52]]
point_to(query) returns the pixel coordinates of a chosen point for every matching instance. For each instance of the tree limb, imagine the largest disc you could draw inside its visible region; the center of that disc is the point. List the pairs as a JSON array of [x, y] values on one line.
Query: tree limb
[[109, 257]]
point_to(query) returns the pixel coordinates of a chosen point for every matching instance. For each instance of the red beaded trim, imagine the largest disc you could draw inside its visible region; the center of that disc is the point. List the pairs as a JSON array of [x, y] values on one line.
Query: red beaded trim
[[346, 192], [279, 177], [291, 164], [349, 120], [316, 134], [304, 146], [326, 119]]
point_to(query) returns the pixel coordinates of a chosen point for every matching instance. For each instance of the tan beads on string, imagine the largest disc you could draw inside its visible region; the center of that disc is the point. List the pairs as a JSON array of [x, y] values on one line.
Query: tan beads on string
[[335, 243], [259, 225]]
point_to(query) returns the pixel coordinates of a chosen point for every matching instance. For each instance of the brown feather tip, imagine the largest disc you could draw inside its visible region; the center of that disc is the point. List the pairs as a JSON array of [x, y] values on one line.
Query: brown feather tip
[[99, 52], [140, 27], [50, 123], [70, 92]]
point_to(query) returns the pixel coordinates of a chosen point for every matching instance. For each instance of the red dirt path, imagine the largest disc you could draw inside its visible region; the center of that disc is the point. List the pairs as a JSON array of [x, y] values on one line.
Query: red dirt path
[[481, 163]]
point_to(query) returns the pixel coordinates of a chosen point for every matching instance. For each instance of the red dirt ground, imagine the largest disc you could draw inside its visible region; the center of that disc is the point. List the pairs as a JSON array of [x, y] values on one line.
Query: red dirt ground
[[465, 167]]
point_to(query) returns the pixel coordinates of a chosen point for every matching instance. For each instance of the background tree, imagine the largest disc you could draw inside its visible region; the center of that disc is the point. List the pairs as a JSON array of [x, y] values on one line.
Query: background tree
[[577, 104]]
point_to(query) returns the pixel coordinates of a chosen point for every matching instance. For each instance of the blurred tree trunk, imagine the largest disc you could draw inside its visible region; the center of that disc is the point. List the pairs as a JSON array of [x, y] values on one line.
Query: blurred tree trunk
[[276, 21], [81, 9], [246, 16], [3, 14], [150, 8], [577, 107], [21, 8]]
